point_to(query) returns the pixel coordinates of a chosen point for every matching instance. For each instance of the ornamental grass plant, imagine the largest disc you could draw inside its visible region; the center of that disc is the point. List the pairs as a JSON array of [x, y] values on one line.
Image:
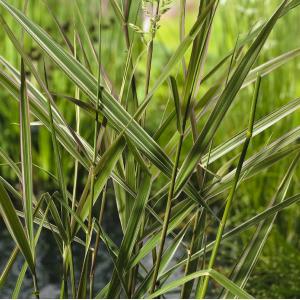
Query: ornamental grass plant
[[173, 145]]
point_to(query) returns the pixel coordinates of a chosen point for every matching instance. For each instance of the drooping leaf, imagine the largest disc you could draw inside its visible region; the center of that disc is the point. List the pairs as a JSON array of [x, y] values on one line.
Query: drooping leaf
[[221, 279], [15, 227]]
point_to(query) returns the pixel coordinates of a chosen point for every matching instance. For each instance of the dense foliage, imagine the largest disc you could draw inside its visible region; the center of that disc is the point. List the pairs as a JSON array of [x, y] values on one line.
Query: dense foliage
[[162, 133]]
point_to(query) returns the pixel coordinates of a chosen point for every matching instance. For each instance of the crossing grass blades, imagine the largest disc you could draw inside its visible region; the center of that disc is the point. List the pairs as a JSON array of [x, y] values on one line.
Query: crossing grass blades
[[169, 201]]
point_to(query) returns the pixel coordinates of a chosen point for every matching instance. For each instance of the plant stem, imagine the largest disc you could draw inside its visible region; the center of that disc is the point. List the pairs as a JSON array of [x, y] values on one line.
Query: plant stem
[[202, 292], [77, 112], [97, 242], [167, 215], [92, 169], [72, 272], [26, 158], [182, 28], [170, 196], [36, 288], [99, 91], [147, 84], [150, 50], [127, 6]]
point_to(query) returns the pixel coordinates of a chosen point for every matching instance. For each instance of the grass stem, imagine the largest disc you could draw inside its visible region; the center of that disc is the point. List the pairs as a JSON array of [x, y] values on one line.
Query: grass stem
[[202, 292], [172, 186]]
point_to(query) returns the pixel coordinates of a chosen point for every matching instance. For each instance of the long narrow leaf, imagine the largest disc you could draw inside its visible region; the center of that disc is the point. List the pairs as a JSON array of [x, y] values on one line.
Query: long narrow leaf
[[15, 227], [225, 101]]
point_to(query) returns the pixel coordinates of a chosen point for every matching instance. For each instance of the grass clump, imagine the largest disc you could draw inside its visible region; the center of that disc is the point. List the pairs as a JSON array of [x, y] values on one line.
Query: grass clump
[[137, 133]]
